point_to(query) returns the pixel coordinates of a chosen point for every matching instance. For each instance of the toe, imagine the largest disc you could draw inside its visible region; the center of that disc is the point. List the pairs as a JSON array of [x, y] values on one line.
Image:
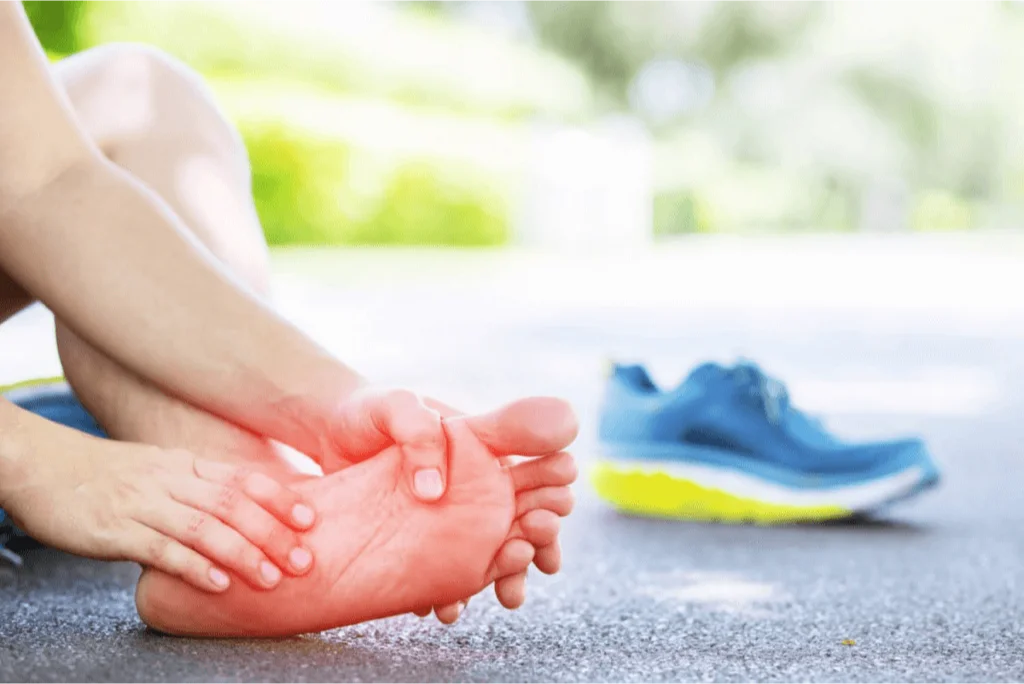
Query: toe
[[539, 527], [558, 500], [513, 557], [554, 470], [548, 559], [511, 591], [449, 614], [530, 427]]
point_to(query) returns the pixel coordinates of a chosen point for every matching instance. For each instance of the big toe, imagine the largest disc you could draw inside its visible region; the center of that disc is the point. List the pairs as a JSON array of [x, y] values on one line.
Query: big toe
[[528, 427]]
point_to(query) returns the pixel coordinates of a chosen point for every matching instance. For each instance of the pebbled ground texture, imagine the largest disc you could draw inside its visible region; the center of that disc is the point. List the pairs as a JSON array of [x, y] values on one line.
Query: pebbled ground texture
[[882, 344]]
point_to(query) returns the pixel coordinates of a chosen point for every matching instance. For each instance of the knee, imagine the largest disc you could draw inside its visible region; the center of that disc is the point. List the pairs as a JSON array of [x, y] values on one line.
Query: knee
[[125, 90]]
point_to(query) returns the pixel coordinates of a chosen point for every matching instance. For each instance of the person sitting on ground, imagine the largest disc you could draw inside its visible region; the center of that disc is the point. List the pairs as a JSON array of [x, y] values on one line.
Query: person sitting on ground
[[126, 208]]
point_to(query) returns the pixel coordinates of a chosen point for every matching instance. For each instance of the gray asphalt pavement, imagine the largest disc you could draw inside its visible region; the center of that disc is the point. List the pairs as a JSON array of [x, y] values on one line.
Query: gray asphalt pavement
[[932, 591]]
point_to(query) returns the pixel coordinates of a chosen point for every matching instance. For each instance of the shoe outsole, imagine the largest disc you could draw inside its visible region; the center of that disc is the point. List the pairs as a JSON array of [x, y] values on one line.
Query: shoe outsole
[[658, 494]]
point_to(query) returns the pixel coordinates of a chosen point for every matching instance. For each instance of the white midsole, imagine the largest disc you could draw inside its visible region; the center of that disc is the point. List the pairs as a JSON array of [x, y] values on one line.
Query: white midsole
[[853, 497]]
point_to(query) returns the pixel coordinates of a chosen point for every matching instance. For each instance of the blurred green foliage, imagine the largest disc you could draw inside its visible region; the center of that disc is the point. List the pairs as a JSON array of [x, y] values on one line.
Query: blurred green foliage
[[613, 40], [817, 109], [58, 24], [414, 58], [842, 99], [941, 211], [305, 194], [327, 187], [680, 213]]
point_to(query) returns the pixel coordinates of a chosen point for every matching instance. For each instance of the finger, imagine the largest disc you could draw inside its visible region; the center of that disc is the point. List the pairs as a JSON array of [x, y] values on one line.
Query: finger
[[511, 591], [149, 547], [244, 516], [417, 431], [558, 500], [513, 557], [422, 612], [539, 527], [204, 533], [528, 427], [283, 503], [554, 470], [447, 411], [449, 614], [548, 559]]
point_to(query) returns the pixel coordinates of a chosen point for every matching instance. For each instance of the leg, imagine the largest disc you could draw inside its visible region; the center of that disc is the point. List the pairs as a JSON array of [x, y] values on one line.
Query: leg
[[153, 117], [156, 119]]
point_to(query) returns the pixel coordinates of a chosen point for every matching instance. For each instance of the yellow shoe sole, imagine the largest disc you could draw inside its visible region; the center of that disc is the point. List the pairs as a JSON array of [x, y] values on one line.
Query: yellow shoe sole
[[660, 495], [35, 382]]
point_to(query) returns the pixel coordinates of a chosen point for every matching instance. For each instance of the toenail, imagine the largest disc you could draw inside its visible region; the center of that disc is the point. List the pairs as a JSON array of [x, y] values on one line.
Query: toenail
[[303, 515], [300, 558], [271, 575], [428, 483]]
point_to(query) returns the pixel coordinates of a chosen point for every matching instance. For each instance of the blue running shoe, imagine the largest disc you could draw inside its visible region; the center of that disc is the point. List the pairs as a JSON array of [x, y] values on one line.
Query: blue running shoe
[[727, 445], [50, 398]]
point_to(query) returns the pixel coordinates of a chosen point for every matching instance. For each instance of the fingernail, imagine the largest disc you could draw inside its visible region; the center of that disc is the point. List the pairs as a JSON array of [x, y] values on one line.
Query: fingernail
[[428, 483], [303, 515], [271, 575], [219, 578], [460, 607], [300, 558]]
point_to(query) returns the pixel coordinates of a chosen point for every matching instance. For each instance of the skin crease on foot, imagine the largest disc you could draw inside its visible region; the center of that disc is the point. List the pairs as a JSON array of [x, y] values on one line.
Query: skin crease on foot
[[381, 552]]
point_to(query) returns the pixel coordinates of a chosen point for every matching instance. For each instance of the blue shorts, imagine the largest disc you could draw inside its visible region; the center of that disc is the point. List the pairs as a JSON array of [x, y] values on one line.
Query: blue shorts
[[52, 399]]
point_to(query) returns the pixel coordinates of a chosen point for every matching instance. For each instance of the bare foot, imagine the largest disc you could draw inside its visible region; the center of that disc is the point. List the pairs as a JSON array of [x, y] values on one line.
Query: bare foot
[[380, 552]]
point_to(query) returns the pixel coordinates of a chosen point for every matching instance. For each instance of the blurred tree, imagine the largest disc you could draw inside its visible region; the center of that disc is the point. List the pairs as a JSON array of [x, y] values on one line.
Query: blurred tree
[[613, 40]]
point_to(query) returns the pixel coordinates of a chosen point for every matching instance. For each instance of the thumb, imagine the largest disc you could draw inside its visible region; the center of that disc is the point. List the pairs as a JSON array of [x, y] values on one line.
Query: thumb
[[528, 427], [401, 416]]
